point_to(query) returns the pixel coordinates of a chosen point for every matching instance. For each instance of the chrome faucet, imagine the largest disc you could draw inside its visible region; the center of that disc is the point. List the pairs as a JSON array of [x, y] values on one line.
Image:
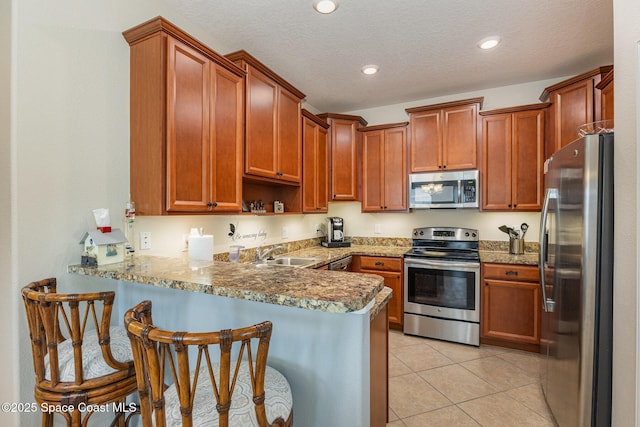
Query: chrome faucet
[[260, 256]]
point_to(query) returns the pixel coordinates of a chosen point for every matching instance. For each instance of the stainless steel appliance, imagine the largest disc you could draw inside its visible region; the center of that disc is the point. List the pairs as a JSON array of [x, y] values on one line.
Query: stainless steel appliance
[[335, 229], [442, 285], [444, 190], [576, 271], [343, 264]]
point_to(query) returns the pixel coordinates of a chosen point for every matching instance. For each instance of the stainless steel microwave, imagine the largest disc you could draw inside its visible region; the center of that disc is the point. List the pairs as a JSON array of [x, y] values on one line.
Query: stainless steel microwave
[[458, 189]]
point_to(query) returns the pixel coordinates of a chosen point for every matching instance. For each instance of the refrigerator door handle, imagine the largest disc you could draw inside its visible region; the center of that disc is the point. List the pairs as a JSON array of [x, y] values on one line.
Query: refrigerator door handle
[[551, 193]]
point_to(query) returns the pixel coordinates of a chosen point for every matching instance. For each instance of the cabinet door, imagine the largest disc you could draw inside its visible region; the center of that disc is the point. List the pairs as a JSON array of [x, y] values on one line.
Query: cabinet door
[[226, 140], [373, 171], [528, 159], [322, 171], [511, 311], [459, 137], [496, 162], [572, 107], [392, 271], [395, 169], [289, 165], [606, 103], [188, 176], [309, 165], [344, 158], [261, 151], [315, 167], [392, 280], [426, 140]]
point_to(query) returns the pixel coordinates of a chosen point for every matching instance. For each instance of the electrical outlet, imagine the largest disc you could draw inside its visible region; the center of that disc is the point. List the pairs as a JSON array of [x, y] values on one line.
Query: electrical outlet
[[377, 229], [285, 232], [145, 240]]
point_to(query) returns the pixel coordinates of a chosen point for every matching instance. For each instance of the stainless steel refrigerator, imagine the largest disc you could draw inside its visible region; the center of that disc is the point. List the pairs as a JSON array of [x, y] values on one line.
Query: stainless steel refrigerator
[[576, 269]]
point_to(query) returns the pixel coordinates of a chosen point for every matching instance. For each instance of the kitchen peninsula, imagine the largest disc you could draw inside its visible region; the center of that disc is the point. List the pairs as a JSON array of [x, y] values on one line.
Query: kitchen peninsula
[[323, 322]]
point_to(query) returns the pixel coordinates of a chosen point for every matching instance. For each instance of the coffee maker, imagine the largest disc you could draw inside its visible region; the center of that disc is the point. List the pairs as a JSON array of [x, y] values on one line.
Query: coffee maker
[[335, 229]]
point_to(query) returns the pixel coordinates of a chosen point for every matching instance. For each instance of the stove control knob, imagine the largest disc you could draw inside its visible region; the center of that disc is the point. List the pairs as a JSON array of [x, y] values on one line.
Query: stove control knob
[[473, 235], [421, 232], [466, 234]]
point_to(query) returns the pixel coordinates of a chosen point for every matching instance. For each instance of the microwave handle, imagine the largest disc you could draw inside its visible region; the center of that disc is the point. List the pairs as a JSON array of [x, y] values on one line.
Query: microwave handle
[[459, 191]]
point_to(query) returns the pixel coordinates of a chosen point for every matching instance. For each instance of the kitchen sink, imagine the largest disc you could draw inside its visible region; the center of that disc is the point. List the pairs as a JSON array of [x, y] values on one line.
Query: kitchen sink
[[288, 262]]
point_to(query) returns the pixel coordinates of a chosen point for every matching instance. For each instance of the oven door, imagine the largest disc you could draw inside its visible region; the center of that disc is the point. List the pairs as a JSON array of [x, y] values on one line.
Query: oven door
[[444, 289]]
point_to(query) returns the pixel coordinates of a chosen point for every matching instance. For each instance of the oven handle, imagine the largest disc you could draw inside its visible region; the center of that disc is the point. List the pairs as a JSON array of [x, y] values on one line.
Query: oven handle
[[445, 264]]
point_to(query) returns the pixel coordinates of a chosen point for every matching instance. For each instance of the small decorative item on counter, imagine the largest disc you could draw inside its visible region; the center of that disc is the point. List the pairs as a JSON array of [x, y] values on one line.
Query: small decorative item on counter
[[234, 253], [278, 206], [101, 248], [257, 206], [129, 220], [103, 220]]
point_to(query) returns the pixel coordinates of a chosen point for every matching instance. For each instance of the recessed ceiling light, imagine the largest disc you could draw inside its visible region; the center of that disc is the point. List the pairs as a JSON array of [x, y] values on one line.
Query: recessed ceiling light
[[489, 42], [325, 6], [369, 69]]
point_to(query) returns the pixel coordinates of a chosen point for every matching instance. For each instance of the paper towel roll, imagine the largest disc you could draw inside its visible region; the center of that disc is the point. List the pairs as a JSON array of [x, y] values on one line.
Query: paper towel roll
[[201, 247]]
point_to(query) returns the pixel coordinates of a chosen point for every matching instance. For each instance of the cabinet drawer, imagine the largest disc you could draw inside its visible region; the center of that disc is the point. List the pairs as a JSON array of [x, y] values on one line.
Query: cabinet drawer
[[520, 273], [380, 263]]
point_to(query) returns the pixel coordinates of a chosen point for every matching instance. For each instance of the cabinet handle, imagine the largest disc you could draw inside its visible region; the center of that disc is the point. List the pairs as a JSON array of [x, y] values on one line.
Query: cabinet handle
[[486, 284], [511, 273], [509, 205], [444, 166], [515, 206], [212, 205], [379, 263]]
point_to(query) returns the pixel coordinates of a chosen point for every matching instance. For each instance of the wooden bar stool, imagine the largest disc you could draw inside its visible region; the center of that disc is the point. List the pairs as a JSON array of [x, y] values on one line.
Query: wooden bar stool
[[82, 365], [239, 390]]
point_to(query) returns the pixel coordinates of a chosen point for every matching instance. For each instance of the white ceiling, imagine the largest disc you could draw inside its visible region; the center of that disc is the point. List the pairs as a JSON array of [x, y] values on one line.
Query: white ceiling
[[425, 48]]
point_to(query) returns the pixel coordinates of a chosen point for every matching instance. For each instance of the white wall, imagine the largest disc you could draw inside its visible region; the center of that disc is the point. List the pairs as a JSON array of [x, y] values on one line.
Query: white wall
[[500, 97], [9, 299], [626, 392]]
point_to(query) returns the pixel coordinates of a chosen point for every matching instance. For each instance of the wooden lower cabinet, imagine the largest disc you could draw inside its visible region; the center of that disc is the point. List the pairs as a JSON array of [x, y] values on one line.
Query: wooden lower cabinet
[[391, 269], [379, 371], [511, 306]]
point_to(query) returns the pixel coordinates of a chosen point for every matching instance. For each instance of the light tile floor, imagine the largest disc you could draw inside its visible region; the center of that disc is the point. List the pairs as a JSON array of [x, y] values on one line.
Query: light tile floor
[[437, 383]]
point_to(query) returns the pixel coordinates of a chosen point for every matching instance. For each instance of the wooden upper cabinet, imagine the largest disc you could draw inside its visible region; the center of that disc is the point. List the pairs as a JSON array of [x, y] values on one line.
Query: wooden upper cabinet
[[384, 168], [226, 136], [606, 97], [344, 153], [444, 136], [512, 158], [185, 123], [574, 102], [188, 179], [273, 146], [315, 164]]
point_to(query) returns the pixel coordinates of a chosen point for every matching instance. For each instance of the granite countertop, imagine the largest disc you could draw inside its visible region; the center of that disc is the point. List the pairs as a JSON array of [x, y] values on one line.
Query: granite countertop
[[307, 288], [330, 291], [503, 257]]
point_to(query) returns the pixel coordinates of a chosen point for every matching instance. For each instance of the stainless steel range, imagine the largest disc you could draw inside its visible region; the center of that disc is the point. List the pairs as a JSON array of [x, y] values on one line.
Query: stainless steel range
[[442, 285]]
